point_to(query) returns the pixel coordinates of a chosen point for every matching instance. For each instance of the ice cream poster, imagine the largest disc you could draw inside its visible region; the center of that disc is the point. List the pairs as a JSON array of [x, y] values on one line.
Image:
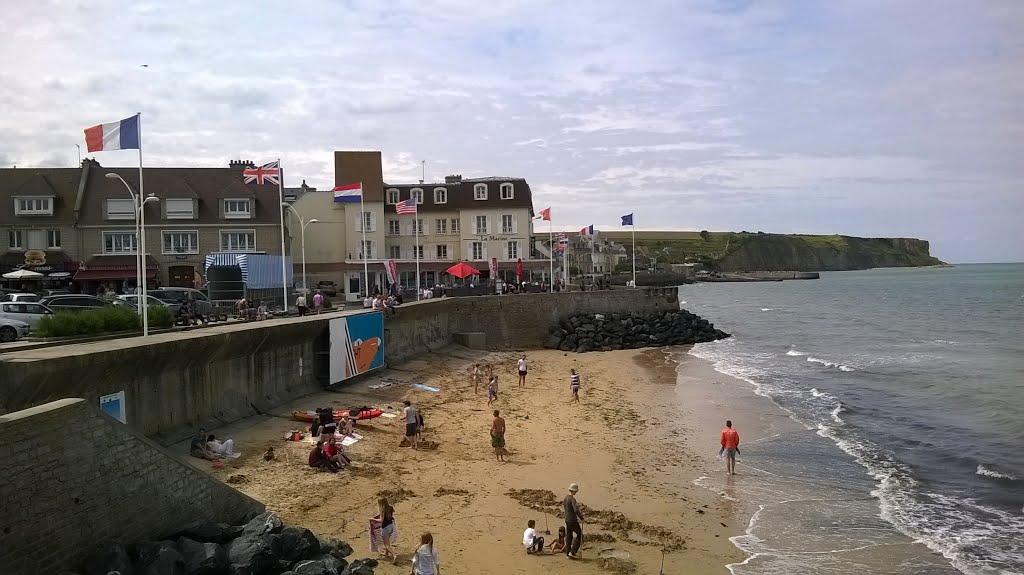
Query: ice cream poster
[[357, 345]]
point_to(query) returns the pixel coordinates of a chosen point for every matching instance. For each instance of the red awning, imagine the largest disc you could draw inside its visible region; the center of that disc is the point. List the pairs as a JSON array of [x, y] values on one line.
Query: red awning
[[91, 275], [119, 267]]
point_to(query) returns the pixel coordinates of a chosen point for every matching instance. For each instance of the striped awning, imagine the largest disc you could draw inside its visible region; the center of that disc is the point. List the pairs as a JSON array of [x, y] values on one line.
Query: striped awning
[[224, 259], [259, 271]]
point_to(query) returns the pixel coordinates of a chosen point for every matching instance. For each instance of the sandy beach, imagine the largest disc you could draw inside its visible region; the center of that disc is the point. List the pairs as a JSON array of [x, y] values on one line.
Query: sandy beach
[[635, 444]]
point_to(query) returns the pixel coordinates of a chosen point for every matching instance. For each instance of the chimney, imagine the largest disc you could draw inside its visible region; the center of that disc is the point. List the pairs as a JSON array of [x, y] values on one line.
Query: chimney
[[453, 179], [241, 164]]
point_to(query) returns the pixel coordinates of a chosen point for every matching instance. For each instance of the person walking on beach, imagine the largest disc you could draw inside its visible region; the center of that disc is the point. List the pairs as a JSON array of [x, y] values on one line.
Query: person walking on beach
[[498, 436], [425, 560], [412, 423], [383, 532], [476, 378], [731, 447], [492, 390], [521, 364], [574, 385], [573, 519]]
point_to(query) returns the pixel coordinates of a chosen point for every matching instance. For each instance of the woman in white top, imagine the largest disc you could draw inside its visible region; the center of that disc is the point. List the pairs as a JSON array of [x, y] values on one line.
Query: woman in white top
[[425, 561]]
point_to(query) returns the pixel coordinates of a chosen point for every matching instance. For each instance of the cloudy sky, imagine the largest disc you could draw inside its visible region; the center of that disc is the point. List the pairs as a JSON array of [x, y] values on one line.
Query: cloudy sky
[[862, 117]]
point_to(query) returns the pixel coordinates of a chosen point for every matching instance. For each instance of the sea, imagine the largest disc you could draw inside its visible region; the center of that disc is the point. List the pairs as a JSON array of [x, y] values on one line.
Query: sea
[[906, 390]]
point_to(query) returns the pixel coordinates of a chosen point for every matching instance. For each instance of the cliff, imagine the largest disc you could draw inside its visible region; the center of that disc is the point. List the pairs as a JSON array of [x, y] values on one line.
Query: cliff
[[770, 252]]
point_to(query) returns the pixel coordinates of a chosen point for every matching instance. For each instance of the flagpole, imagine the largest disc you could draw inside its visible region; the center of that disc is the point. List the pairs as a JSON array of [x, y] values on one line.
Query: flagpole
[[362, 225], [416, 228], [280, 205], [551, 256], [143, 300], [633, 226]]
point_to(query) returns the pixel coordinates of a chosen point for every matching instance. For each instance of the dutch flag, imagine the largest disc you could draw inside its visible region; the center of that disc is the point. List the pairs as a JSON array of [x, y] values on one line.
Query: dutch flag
[[349, 193], [123, 135]]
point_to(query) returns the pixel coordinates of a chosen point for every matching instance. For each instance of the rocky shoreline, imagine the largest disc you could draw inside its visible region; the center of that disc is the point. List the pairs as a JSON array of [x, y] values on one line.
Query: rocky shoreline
[[606, 332], [263, 546]]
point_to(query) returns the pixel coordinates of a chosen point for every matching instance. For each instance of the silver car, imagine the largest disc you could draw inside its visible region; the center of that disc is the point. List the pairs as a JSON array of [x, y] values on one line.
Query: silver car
[[26, 312], [12, 330], [133, 299]]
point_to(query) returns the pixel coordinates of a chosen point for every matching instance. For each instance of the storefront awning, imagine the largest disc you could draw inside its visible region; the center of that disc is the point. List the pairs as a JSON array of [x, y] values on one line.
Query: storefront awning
[[104, 268]]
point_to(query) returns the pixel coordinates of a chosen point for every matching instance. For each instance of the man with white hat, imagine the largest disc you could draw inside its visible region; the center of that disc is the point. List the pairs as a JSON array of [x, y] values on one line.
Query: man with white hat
[[573, 518]]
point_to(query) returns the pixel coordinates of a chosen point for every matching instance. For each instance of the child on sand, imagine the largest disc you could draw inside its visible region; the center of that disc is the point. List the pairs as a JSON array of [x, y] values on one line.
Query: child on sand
[[558, 545], [492, 390], [531, 542], [574, 384]]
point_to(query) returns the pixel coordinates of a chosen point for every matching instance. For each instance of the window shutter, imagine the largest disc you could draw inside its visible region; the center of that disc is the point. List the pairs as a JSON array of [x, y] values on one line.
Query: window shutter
[[515, 224], [359, 222], [373, 221], [426, 228], [473, 221]]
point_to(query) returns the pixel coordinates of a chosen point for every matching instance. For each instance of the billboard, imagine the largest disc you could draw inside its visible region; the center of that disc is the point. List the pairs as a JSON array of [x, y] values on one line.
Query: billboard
[[113, 405], [357, 345]]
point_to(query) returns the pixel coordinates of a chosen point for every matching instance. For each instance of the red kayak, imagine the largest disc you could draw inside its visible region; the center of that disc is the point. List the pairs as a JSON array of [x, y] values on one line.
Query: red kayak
[[339, 414]]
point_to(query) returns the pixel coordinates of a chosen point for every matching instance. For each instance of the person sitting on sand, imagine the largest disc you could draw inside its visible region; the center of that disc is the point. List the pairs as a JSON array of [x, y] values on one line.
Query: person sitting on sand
[[558, 545], [336, 452], [498, 436], [327, 424], [492, 390], [346, 426], [531, 542], [319, 460], [383, 531], [198, 447], [314, 428], [224, 448]]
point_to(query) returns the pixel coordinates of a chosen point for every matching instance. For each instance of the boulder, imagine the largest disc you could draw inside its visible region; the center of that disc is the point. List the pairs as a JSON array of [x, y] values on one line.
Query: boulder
[[360, 567], [106, 559], [322, 565], [203, 558], [263, 524], [209, 532], [296, 543], [163, 559], [337, 548], [251, 555]]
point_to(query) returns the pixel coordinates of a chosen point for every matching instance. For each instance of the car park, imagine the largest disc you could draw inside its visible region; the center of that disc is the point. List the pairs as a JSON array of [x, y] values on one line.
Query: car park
[[24, 311], [13, 330]]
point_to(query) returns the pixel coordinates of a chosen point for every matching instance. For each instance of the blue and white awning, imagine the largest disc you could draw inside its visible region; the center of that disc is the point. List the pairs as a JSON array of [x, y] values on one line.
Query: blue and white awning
[[259, 271]]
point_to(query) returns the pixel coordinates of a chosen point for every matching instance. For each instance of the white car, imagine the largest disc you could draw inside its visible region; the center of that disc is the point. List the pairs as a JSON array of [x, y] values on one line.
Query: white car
[[12, 330], [25, 312], [21, 297]]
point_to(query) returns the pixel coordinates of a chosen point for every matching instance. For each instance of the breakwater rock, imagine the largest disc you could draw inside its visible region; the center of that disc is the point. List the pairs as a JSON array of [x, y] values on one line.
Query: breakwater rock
[[605, 332], [263, 546]]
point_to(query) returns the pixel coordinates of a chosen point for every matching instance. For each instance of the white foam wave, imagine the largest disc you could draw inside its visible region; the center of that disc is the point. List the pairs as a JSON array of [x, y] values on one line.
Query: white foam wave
[[828, 363], [945, 342], [835, 413], [795, 353], [767, 309], [989, 472], [846, 368], [815, 392]]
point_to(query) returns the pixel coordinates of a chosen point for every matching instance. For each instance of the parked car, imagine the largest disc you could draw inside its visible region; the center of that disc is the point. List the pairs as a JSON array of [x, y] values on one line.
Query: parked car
[[26, 311], [12, 330], [133, 300], [76, 302], [328, 288], [182, 295], [49, 292], [20, 296]]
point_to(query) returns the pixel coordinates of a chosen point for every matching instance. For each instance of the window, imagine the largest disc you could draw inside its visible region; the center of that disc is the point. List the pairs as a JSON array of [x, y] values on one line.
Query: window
[[14, 240], [455, 225], [367, 221], [418, 226], [394, 228], [416, 194], [481, 225], [33, 206], [185, 242], [417, 252], [179, 209], [119, 242], [506, 191], [53, 239], [442, 252], [392, 196], [395, 252], [480, 192], [237, 209], [441, 226], [366, 250], [507, 224], [407, 280], [478, 250], [440, 196], [120, 209], [238, 241], [511, 250]]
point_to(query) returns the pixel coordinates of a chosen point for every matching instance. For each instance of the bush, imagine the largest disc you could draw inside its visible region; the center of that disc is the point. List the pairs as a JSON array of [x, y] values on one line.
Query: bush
[[99, 321]]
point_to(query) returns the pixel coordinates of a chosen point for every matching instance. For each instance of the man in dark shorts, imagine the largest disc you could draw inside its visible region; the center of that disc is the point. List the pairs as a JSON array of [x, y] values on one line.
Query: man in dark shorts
[[521, 364], [412, 424], [498, 436], [731, 447]]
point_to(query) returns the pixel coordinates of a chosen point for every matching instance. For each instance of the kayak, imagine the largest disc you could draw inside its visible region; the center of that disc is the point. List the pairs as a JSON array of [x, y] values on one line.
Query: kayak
[[339, 414]]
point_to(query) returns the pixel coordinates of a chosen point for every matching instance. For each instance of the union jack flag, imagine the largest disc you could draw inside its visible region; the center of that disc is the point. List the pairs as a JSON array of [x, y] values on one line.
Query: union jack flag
[[265, 174]]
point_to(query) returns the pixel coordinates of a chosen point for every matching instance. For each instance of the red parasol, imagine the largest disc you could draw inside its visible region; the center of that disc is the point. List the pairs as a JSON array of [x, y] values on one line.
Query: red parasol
[[463, 270]]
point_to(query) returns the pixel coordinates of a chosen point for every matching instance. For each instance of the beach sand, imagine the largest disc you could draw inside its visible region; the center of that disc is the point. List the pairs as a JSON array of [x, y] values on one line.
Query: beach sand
[[635, 444]]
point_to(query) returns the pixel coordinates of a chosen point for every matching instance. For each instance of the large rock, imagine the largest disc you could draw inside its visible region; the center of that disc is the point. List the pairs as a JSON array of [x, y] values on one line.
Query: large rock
[[161, 559], [334, 547], [262, 524], [106, 559], [203, 558], [252, 555], [360, 567], [296, 544], [322, 565], [210, 532]]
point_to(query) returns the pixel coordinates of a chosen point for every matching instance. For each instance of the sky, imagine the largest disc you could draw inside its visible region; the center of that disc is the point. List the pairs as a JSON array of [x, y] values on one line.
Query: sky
[[860, 117]]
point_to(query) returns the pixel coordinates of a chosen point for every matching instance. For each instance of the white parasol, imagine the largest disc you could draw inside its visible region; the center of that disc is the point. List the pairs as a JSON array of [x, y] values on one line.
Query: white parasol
[[23, 275]]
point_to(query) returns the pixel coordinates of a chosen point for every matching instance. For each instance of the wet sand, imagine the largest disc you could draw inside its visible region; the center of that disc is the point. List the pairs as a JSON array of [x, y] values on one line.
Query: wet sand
[[635, 444]]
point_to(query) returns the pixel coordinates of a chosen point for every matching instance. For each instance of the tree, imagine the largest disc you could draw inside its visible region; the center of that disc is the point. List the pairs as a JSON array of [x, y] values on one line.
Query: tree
[[706, 235]]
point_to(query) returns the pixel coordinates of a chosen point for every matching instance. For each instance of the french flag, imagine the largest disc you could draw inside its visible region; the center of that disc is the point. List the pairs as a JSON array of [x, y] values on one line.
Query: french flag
[[349, 194], [587, 231], [123, 135]]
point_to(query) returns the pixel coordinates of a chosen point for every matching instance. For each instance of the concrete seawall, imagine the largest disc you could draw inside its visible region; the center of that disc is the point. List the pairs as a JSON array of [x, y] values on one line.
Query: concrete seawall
[[177, 381], [75, 478]]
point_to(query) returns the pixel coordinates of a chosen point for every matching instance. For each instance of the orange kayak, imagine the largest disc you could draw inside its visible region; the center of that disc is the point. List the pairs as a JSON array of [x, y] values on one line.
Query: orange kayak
[[339, 414]]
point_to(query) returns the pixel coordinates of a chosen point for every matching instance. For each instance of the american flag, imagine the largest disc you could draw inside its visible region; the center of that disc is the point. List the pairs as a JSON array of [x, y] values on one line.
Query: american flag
[[406, 207], [267, 173]]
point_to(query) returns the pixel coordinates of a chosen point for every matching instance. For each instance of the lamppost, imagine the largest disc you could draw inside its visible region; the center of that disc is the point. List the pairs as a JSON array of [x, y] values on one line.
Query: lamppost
[[302, 240], [138, 204]]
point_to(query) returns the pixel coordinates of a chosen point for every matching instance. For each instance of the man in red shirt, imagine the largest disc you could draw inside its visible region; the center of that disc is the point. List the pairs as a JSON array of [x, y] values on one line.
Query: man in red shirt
[[731, 446]]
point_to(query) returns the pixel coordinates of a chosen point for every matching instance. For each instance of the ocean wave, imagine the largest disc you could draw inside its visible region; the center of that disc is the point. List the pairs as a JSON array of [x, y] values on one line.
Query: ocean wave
[[816, 393], [767, 309], [795, 353], [989, 472], [828, 363], [835, 413]]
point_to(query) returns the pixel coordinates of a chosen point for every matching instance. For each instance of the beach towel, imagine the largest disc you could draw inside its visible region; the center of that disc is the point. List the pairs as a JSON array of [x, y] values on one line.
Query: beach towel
[[377, 539]]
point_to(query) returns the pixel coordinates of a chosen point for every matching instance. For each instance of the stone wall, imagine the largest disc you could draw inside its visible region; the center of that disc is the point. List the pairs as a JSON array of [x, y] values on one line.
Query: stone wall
[[75, 478]]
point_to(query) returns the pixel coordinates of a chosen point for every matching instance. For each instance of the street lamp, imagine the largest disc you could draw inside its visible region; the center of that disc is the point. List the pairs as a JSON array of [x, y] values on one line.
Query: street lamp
[[140, 250], [302, 240]]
